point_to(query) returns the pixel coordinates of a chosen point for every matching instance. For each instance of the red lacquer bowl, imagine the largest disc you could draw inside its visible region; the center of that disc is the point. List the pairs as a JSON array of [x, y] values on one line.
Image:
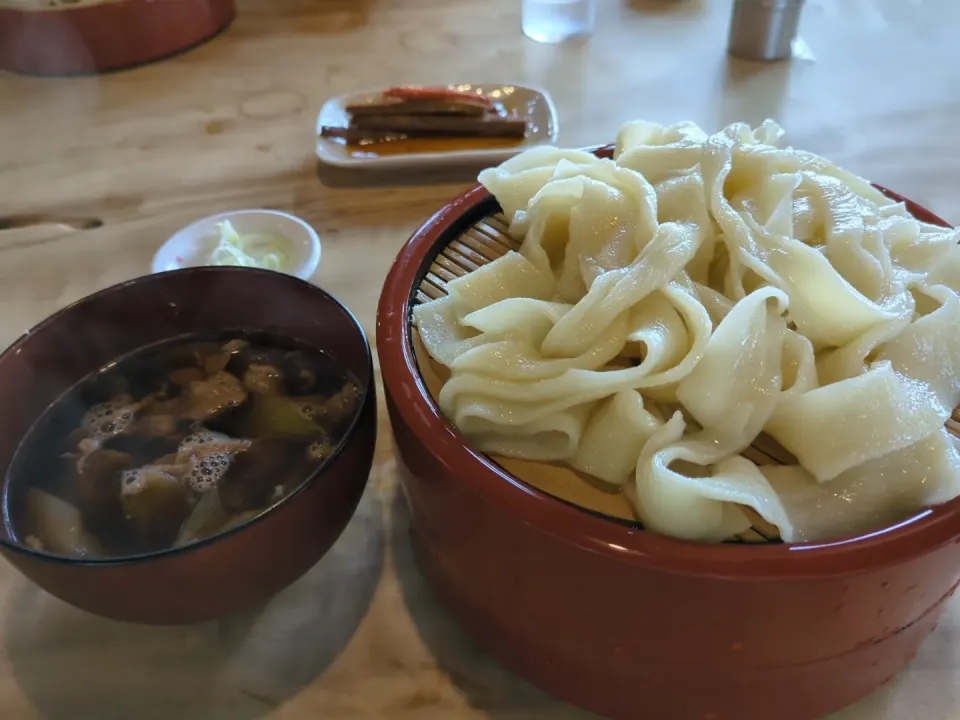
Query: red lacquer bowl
[[106, 36], [237, 568], [630, 624]]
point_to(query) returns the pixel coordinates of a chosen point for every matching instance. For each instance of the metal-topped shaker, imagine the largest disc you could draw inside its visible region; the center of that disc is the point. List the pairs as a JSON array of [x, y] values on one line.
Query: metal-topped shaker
[[763, 29]]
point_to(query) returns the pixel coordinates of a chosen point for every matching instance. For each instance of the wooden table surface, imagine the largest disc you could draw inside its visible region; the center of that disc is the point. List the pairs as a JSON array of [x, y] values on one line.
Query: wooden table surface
[[876, 87]]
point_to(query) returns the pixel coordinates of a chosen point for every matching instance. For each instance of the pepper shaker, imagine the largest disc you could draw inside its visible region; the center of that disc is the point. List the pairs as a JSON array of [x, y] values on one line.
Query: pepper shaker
[[763, 29]]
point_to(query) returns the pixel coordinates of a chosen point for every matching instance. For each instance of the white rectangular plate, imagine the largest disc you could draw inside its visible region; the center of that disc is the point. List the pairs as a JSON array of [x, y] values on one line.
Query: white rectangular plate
[[535, 105]]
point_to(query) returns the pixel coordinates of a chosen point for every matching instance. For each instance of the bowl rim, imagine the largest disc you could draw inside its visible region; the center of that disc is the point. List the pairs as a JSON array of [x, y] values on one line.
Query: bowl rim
[[917, 535], [369, 392], [303, 271]]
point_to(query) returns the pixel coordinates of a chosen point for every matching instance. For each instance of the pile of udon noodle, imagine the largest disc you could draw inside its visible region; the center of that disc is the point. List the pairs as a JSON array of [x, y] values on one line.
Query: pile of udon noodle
[[668, 306]]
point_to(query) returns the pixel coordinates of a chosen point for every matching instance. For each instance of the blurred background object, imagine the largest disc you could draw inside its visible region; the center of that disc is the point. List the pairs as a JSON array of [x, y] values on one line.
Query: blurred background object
[[764, 29], [554, 21], [46, 37]]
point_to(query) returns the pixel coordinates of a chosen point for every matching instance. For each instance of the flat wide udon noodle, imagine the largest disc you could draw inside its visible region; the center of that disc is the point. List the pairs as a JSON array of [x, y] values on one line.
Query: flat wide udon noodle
[[667, 307]]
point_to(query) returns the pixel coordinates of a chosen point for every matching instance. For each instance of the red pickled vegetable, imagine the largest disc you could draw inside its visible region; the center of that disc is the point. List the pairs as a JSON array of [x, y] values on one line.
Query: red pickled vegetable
[[436, 93]]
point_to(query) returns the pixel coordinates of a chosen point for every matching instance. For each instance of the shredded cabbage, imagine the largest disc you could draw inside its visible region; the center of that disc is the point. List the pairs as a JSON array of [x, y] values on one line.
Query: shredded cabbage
[[259, 250]]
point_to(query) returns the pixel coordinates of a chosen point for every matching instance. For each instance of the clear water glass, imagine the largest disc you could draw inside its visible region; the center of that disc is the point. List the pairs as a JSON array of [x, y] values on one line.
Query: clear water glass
[[554, 21]]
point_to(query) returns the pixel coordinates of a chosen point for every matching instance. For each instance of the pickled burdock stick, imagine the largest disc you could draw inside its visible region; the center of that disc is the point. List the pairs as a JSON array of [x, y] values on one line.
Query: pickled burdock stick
[[436, 93], [355, 136], [420, 107], [425, 126]]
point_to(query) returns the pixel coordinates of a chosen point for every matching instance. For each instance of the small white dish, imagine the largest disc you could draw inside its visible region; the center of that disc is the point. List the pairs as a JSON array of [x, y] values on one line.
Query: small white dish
[[533, 104], [191, 246]]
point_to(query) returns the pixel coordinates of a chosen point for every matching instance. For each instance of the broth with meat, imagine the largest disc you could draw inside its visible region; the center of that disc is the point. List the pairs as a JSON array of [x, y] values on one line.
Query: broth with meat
[[176, 442]]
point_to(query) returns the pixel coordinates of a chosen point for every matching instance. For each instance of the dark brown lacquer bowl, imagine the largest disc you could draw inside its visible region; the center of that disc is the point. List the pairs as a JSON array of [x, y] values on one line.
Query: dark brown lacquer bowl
[[243, 566], [630, 624], [105, 36]]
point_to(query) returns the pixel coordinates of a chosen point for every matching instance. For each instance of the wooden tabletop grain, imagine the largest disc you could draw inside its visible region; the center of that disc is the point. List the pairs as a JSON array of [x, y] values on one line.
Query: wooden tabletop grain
[[96, 172]]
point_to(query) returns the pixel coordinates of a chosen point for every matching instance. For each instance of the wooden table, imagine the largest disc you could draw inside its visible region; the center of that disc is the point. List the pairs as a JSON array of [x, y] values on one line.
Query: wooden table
[[230, 125]]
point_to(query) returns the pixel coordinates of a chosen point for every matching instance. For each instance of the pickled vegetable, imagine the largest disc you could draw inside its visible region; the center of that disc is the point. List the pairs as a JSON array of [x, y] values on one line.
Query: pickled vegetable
[[58, 526], [98, 480], [206, 518], [281, 416], [263, 379], [155, 502], [206, 398], [257, 476]]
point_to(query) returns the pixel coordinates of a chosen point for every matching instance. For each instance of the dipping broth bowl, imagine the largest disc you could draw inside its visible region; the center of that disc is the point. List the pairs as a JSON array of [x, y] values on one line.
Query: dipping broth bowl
[[239, 567], [627, 623]]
